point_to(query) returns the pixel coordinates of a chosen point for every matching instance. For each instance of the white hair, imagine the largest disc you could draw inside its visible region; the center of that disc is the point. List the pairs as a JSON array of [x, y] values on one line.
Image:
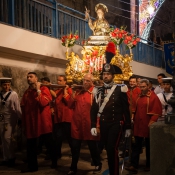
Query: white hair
[[89, 75], [145, 81]]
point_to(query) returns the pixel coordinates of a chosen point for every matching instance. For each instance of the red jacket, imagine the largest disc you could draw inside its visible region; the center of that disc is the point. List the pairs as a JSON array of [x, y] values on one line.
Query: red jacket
[[36, 113], [81, 122], [132, 96], [62, 112], [147, 108]]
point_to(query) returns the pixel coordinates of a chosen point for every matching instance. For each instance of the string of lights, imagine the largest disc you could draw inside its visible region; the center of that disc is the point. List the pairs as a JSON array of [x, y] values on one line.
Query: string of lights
[[147, 25]]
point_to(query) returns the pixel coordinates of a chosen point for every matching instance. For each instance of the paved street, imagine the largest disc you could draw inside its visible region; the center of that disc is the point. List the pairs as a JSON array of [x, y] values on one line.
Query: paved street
[[84, 165]]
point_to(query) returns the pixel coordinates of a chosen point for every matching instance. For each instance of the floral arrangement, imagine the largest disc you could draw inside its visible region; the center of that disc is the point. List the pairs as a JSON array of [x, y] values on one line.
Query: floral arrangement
[[131, 40], [117, 35], [70, 39]]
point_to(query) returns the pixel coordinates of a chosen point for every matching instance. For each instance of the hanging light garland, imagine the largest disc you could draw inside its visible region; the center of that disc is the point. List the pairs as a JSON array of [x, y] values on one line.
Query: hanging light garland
[[147, 10]]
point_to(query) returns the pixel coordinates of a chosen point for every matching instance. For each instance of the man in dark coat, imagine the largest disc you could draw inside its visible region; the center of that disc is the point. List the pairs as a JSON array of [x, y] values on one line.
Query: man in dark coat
[[111, 108]]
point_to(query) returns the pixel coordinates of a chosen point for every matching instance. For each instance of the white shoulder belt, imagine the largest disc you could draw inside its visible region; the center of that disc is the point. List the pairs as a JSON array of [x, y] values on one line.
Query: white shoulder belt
[[106, 99]]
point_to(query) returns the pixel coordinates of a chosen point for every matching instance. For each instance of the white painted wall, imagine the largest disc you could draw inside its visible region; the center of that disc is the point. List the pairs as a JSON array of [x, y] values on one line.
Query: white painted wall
[[147, 70], [20, 39]]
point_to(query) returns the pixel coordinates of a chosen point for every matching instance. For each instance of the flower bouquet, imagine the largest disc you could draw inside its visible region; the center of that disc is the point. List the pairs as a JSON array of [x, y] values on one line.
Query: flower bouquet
[[131, 40], [117, 35], [69, 40]]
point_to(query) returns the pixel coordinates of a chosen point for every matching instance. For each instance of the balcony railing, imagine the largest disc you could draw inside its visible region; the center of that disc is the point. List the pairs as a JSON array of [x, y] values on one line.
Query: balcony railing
[[48, 19]]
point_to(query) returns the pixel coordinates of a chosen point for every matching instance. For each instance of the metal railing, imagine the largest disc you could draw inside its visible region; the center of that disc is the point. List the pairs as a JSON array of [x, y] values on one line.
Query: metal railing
[[48, 19], [151, 54], [42, 18]]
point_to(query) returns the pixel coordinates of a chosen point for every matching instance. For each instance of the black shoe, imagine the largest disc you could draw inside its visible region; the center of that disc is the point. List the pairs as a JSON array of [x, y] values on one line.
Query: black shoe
[[147, 169], [59, 156], [71, 172], [11, 162], [28, 170], [123, 155], [92, 163], [4, 163], [54, 165], [97, 169], [47, 157], [132, 169], [39, 151]]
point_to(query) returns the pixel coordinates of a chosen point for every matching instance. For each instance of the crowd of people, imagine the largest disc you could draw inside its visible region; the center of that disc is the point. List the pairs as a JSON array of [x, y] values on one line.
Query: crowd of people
[[92, 114]]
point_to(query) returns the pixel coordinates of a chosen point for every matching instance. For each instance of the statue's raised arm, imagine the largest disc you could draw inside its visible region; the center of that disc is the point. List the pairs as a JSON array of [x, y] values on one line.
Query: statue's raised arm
[[100, 26], [87, 16]]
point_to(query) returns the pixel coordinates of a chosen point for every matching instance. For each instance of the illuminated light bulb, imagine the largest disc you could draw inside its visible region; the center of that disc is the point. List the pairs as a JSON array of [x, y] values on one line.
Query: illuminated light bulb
[[150, 10]]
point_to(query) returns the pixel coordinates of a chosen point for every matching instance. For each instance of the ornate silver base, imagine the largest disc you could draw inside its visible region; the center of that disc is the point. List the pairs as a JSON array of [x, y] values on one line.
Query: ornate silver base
[[98, 40]]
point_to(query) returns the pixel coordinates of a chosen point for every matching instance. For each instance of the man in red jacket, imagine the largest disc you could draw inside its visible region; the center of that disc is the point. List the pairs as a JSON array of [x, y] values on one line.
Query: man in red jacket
[[146, 111], [36, 120], [81, 102], [63, 116], [133, 92]]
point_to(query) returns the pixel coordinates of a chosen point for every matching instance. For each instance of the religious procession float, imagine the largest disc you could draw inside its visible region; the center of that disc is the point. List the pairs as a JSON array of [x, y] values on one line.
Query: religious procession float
[[105, 40]]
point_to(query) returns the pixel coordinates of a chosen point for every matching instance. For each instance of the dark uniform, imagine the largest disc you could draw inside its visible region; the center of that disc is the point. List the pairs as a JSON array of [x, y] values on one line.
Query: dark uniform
[[114, 111], [114, 115]]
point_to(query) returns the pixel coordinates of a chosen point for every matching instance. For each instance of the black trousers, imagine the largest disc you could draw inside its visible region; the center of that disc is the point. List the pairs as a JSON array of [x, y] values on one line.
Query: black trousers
[[62, 130], [32, 151], [94, 151], [135, 155], [110, 135]]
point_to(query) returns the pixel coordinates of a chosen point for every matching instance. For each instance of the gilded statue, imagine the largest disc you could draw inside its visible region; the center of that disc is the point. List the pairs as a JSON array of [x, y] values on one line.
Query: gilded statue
[[100, 26]]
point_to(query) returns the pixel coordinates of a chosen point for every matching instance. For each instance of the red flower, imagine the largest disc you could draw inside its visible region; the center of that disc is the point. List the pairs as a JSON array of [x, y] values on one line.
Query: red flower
[[113, 34], [70, 36], [138, 39], [128, 38], [134, 42], [69, 40], [116, 30], [120, 35], [125, 41], [95, 53], [76, 36]]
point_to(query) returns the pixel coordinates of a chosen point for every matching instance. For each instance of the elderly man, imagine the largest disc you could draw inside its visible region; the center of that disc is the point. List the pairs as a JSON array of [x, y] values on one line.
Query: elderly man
[[111, 107], [81, 124], [146, 111], [10, 112], [36, 120]]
